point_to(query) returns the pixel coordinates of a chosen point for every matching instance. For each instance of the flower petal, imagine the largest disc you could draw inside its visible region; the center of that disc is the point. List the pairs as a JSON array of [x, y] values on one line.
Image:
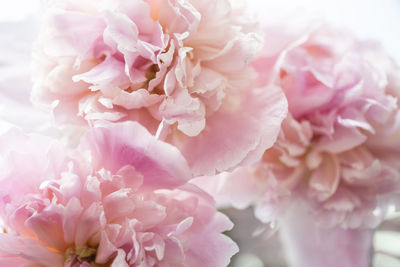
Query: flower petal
[[129, 143]]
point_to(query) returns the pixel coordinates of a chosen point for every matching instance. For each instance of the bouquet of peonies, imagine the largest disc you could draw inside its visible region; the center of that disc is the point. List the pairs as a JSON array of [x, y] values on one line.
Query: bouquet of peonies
[[155, 114]]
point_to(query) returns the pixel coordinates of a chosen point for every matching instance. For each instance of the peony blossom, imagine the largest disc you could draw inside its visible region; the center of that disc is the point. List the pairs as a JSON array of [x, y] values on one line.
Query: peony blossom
[[338, 149], [121, 199], [180, 68]]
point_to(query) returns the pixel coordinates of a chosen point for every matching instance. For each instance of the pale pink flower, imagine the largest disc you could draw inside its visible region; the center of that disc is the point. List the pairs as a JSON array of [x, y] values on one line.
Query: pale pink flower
[[180, 68], [120, 200], [339, 147]]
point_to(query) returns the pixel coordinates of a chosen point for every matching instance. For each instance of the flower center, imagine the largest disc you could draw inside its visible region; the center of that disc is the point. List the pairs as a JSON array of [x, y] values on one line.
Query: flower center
[[80, 255]]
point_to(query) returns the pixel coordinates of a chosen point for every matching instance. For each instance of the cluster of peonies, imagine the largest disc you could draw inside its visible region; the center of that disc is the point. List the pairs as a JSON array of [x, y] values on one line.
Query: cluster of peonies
[[180, 68], [170, 96], [339, 146]]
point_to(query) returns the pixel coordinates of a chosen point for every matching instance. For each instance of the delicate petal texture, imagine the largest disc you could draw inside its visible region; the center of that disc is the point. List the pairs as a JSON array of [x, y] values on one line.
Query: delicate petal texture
[[179, 68], [339, 146], [98, 206]]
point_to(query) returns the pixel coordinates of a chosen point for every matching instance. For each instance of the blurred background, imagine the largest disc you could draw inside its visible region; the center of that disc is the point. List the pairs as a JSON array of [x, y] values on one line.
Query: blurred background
[[260, 246]]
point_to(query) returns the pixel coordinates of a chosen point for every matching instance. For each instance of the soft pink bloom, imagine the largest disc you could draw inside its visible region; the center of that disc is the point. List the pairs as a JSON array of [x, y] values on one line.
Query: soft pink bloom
[[339, 147], [120, 200], [180, 68]]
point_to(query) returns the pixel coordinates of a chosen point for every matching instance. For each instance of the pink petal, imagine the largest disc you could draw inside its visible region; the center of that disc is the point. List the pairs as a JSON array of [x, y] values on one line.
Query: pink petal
[[342, 140], [31, 250], [236, 189], [136, 99], [186, 110], [221, 145], [129, 143], [118, 204], [67, 37], [131, 177], [216, 249], [10, 260], [120, 260], [149, 213], [26, 161], [236, 55], [89, 224], [325, 179], [109, 72], [73, 211], [105, 250], [47, 225]]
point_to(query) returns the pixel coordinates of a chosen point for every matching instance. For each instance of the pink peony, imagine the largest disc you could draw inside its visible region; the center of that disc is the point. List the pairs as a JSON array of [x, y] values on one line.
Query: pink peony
[[339, 147], [123, 202], [180, 68]]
